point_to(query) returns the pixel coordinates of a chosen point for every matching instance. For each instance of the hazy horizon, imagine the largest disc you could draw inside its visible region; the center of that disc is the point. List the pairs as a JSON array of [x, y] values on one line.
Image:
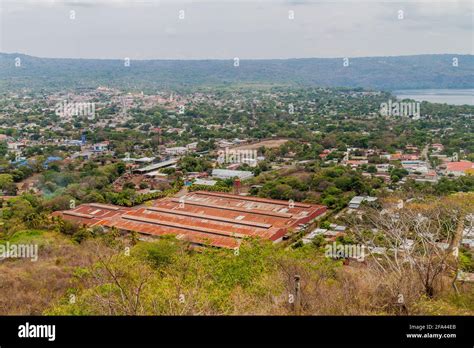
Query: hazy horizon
[[254, 59]]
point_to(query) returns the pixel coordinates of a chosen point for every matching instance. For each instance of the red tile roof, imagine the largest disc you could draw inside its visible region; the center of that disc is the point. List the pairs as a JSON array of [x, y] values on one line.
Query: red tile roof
[[459, 166], [209, 218]]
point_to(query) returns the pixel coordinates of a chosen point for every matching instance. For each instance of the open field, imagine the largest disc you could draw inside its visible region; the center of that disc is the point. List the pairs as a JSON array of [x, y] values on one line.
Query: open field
[[270, 144]]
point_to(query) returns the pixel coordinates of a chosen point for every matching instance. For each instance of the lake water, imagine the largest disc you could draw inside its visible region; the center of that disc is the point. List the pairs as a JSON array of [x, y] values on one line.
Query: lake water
[[448, 96]]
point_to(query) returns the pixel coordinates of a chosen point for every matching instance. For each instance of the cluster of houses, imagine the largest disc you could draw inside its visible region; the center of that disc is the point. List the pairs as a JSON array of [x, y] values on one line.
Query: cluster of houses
[[411, 159]]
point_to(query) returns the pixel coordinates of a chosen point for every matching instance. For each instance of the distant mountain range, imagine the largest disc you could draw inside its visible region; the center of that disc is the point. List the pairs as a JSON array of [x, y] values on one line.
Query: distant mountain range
[[386, 73]]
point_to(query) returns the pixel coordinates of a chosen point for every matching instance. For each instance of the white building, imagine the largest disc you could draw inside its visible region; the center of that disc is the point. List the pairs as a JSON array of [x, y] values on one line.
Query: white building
[[175, 151], [204, 182], [229, 174]]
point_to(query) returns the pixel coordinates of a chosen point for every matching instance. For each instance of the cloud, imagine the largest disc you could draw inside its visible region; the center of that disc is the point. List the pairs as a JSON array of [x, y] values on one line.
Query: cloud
[[225, 28]]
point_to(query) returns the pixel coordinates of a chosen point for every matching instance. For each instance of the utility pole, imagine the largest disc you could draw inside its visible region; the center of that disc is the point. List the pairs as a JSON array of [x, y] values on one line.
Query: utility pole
[[297, 294]]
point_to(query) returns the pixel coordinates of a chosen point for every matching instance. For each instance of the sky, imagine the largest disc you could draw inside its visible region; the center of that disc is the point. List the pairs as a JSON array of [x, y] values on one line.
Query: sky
[[224, 29]]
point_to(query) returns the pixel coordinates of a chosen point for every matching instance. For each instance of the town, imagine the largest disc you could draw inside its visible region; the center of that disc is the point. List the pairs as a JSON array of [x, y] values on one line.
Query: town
[[191, 172], [193, 166]]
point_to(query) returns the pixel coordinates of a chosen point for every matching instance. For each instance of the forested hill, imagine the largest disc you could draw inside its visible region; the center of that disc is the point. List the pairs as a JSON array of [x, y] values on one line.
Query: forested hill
[[387, 73]]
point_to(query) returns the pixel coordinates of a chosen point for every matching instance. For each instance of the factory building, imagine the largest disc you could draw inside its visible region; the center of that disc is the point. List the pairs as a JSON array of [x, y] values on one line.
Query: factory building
[[202, 218]]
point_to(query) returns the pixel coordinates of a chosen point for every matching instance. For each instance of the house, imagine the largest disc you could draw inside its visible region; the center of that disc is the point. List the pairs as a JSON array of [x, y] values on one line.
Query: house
[[73, 142], [411, 148], [410, 157], [15, 146], [329, 235], [356, 163], [175, 130], [459, 168], [325, 153], [383, 168], [357, 201], [224, 143], [176, 151], [337, 228], [415, 165], [100, 147], [395, 156], [313, 234], [422, 176], [82, 154]]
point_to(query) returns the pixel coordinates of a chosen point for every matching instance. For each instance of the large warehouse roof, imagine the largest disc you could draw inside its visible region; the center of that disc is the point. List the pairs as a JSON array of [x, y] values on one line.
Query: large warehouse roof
[[208, 218]]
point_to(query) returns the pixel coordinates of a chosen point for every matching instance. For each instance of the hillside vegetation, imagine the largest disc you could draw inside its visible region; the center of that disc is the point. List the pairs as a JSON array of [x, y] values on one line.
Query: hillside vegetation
[[111, 274], [386, 73]]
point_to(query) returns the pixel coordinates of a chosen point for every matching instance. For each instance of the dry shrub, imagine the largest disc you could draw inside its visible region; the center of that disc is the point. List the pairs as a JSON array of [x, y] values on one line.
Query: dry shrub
[[28, 288]]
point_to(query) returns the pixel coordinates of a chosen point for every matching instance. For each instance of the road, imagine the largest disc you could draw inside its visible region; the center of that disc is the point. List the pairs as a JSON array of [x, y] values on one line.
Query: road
[[424, 155]]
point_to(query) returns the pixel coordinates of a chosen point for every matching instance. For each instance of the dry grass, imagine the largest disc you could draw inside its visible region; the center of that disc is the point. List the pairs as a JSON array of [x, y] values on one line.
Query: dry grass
[[28, 288], [269, 144], [34, 288]]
